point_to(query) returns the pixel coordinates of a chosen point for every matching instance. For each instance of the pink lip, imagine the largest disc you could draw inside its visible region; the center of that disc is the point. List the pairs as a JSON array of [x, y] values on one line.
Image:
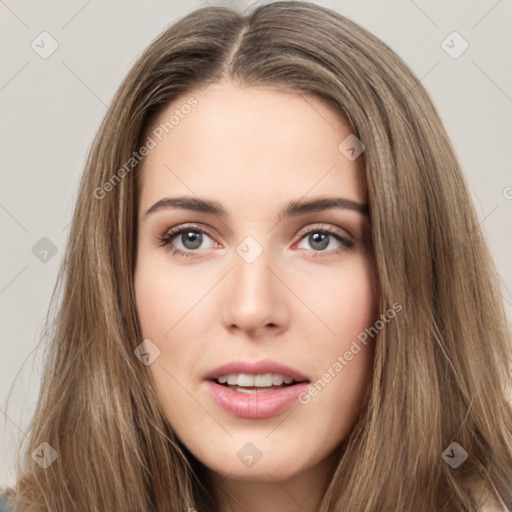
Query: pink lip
[[255, 405], [257, 368]]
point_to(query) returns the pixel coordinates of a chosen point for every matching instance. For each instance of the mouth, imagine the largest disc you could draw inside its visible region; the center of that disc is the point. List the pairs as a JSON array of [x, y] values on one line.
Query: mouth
[[255, 390]]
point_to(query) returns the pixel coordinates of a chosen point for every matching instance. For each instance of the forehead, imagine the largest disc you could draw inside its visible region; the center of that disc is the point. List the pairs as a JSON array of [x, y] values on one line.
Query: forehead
[[240, 142]]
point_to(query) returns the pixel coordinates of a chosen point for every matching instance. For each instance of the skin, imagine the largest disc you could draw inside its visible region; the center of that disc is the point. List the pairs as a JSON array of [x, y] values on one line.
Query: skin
[[253, 150]]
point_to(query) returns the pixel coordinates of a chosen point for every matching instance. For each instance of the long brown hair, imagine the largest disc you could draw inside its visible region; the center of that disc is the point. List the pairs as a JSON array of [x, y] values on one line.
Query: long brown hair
[[442, 368]]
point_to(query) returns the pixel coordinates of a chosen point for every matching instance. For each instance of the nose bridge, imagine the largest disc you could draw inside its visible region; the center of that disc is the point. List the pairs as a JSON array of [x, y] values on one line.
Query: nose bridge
[[251, 282], [255, 298]]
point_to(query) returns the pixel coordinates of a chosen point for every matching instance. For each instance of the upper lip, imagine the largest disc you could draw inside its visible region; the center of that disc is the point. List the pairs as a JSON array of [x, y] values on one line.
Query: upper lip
[[256, 368]]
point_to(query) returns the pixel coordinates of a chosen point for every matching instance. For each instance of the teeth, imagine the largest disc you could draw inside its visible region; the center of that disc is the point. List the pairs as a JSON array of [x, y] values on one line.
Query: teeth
[[261, 381], [244, 380], [233, 380], [277, 380]]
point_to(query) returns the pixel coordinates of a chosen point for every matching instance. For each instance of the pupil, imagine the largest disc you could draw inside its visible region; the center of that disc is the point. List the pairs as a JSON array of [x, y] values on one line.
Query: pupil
[[319, 238], [192, 240]]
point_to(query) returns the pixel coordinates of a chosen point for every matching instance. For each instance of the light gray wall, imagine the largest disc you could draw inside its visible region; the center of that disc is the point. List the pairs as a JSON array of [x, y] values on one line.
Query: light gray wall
[[51, 107]]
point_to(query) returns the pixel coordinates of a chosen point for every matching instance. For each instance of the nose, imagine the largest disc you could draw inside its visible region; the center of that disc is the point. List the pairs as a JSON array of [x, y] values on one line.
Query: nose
[[256, 300]]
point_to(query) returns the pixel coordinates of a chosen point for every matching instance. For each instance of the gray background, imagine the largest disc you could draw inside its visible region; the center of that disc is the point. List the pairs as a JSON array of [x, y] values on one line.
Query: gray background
[[50, 109]]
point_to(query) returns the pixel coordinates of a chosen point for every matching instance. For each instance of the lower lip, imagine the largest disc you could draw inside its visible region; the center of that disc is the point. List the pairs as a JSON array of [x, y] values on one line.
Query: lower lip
[[255, 405]]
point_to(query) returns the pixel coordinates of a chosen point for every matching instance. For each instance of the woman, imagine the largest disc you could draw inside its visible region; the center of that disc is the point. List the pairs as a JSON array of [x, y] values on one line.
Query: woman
[[276, 294]]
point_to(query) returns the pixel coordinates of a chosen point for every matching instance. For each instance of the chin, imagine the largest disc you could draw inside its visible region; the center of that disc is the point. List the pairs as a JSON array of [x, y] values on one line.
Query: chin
[[277, 458], [271, 471]]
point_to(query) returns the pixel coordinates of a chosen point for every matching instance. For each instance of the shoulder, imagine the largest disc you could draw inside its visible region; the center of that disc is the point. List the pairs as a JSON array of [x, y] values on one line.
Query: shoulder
[[487, 500], [3, 500], [492, 504]]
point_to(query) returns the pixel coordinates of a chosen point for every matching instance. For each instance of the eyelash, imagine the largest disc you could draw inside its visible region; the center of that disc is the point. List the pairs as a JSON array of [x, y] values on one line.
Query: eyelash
[[169, 236]]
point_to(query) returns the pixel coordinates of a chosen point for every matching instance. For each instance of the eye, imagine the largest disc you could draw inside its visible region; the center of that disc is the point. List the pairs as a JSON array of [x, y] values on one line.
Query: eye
[[191, 238], [320, 239], [187, 240]]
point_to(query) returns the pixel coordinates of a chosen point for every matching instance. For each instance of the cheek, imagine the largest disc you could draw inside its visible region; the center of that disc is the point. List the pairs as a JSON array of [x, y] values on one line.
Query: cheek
[[167, 306], [343, 356], [339, 308], [159, 310], [163, 297], [346, 303], [356, 303]]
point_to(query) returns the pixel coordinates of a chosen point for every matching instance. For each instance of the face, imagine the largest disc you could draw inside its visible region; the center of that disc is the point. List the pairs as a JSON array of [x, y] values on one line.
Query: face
[[252, 302]]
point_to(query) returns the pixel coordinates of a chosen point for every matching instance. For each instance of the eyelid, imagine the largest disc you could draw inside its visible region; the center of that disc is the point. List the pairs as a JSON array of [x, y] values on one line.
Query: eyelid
[[326, 228]]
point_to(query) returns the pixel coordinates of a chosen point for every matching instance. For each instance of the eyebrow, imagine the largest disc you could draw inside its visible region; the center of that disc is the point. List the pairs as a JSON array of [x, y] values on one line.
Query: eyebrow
[[292, 209]]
